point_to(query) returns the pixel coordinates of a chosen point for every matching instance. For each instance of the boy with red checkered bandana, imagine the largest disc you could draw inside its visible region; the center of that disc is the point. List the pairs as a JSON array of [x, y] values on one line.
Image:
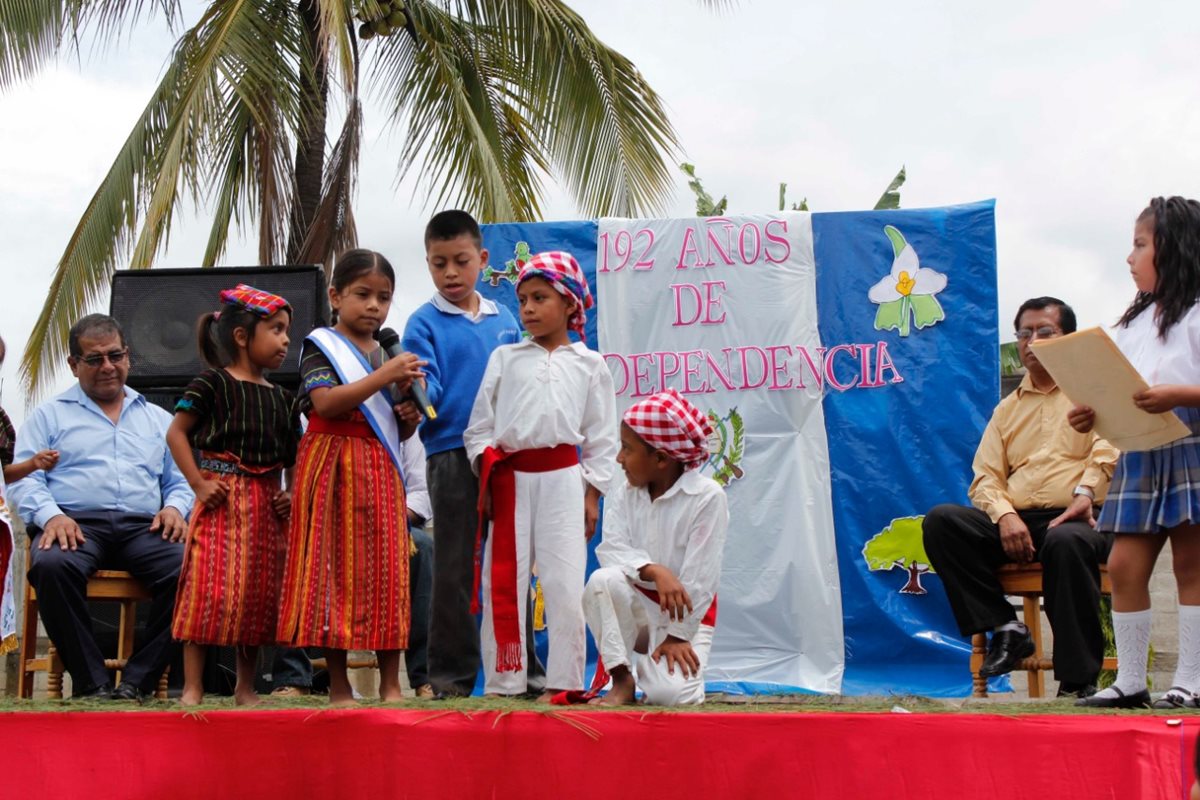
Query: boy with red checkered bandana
[[543, 439], [652, 604]]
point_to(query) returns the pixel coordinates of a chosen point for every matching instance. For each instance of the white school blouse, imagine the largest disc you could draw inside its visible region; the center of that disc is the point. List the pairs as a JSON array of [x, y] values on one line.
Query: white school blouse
[[1176, 360], [684, 530], [531, 397]]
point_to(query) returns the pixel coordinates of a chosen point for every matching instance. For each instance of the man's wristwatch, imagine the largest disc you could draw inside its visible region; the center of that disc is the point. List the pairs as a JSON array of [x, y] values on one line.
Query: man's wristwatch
[[1085, 490]]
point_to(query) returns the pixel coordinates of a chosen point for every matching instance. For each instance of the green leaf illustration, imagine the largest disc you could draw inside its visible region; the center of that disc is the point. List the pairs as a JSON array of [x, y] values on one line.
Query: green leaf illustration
[[897, 239], [889, 315], [926, 310]]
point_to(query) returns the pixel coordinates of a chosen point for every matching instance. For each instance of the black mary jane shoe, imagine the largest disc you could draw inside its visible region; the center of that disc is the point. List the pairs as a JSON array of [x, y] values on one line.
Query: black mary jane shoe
[[1176, 697], [1136, 700]]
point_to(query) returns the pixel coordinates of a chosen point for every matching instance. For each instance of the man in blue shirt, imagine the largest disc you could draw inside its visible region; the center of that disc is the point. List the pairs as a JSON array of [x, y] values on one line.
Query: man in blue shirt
[[114, 500]]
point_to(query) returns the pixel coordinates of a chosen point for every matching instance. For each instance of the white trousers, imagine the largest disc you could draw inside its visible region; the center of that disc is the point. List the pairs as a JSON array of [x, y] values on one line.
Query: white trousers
[[616, 612], [549, 532]]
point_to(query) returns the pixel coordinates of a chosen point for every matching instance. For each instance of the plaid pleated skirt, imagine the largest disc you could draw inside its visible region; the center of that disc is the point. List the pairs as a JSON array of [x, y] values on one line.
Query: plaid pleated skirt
[[1159, 489]]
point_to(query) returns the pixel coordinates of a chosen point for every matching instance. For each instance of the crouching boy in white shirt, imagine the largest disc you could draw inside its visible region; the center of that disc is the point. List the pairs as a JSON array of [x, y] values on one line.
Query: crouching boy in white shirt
[[652, 604]]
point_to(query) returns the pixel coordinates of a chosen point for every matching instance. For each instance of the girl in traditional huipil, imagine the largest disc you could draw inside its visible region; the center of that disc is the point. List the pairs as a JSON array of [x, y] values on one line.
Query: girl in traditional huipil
[[246, 430], [346, 584]]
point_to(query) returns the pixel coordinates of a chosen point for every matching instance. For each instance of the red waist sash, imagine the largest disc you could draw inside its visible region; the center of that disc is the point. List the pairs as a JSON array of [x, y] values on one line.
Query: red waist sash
[[497, 476], [358, 428]]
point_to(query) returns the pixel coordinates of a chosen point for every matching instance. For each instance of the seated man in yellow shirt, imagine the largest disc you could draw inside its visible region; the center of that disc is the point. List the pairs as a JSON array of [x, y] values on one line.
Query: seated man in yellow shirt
[[1036, 488]]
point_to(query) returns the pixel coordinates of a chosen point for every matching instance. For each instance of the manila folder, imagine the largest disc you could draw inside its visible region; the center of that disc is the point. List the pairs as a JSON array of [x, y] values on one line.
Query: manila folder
[[1089, 367]]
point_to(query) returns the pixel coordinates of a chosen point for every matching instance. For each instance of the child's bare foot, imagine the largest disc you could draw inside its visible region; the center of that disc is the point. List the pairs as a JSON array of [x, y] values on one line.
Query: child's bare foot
[[339, 699], [621, 693], [391, 694], [246, 698], [191, 697], [547, 695]]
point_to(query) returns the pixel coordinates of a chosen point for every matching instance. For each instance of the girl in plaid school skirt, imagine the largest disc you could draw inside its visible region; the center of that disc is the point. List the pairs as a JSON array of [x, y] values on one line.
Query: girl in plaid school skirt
[[1155, 495]]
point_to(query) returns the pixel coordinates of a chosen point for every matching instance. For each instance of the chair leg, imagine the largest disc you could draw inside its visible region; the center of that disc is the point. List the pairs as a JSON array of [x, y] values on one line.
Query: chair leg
[[54, 675], [1033, 621], [28, 644], [161, 692], [125, 630], [978, 651]]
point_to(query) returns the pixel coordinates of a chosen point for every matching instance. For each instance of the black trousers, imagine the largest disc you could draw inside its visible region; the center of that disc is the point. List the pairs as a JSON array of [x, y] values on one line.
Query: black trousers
[[454, 657], [111, 541], [964, 548]]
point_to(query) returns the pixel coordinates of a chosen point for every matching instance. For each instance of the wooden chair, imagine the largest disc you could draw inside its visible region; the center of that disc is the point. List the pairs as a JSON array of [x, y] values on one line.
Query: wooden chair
[[108, 585], [1025, 581]]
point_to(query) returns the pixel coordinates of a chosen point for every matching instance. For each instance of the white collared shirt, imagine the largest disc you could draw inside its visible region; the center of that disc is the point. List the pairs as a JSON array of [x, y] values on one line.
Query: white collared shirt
[[683, 530], [1176, 360], [532, 398], [486, 307]]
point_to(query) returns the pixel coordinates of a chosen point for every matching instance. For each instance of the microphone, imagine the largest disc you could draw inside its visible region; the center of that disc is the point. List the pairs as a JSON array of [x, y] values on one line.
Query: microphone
[[389, 340]]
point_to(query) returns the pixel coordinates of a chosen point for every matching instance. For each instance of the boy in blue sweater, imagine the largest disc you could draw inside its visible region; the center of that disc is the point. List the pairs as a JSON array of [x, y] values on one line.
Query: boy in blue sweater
[[454, 332]]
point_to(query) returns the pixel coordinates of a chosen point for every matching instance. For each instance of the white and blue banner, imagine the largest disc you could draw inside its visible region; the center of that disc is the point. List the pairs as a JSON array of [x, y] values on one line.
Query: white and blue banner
[[849, 363]]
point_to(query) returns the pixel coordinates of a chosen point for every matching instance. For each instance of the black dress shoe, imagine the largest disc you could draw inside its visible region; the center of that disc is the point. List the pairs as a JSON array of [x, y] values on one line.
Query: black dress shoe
[[1076, 690], [101, 692], [1136, 700], [127, 691], [1005, 652]]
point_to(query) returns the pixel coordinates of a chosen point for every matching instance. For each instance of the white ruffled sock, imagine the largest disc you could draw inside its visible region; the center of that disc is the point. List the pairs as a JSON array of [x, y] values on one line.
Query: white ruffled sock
[[1187, 671], [1131, 630]]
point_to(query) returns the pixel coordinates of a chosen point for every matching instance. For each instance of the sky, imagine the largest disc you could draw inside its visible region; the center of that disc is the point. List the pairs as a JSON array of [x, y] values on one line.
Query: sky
[[1070, 114]]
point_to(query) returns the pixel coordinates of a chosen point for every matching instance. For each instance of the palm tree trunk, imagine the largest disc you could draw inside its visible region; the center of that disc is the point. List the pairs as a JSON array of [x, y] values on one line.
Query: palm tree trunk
[[310, 144]]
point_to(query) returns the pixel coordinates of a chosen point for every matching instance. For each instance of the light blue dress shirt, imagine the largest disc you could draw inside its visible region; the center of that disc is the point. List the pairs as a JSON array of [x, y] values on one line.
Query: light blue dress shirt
[[125, 467]]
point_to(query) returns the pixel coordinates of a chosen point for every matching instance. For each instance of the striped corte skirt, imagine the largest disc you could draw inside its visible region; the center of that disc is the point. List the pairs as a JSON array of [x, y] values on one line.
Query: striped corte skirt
[[233, 564], [346, 584]]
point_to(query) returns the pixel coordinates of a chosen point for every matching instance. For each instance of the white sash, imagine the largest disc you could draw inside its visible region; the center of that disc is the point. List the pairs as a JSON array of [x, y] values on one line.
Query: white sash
[[351, 366]]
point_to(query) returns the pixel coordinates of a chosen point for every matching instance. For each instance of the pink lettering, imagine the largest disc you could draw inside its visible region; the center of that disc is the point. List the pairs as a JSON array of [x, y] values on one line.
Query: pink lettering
[[756, 241], [864, 354], [831, 375], [678, 290], [743, 352], [777, 368], [884, 362], [609, 358], [689, 371], [663, 371], [781, 240], [640, 375], [689, 246], [814, 368], [714, 369]]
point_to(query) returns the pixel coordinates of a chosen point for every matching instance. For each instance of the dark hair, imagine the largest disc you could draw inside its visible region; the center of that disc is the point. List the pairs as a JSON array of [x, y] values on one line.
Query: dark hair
[[353, 264], [3, 350], [1066, 314], [92, 325], [1176, 260], [451, 224], [214, 334]]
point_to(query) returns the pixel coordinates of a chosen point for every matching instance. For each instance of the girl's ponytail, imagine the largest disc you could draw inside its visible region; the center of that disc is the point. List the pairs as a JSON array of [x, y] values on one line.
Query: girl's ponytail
[[206, 340]]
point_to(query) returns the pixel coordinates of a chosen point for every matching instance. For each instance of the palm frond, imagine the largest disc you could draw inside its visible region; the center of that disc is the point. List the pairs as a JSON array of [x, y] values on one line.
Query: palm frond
[[33, 31], [606, 132], [333, 230]]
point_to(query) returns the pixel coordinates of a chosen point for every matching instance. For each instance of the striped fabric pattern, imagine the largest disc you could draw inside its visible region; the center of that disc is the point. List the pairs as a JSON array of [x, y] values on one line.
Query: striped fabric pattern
[[1156, 490], [232, 566], [346, 584]]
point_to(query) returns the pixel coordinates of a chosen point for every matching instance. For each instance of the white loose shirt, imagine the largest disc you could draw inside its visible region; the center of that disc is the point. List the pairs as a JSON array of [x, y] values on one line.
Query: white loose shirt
[[1176, 360], [531, 398], [416, 490], [683, 530]]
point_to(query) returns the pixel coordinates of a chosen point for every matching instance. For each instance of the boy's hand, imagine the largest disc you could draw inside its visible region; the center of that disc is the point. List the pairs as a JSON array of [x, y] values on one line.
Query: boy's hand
[[210, 494], [282, 504], [673, 599], [678, 652], [1081, 418], [1160, 398], [45, 459], [591, 511]]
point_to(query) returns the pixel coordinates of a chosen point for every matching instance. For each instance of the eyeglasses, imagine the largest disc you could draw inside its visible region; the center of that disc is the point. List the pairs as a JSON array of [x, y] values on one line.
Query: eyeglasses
[[114, 357], [1044, 332]]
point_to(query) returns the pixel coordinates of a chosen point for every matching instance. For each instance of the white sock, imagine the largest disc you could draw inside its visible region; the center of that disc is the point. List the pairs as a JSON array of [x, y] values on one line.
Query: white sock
[[1131, 630], [1187, 671]]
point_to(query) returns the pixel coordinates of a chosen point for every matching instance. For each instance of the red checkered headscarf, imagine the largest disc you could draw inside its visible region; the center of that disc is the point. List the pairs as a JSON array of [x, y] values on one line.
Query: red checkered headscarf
[[562, 271], [256, 301], [667, 421]]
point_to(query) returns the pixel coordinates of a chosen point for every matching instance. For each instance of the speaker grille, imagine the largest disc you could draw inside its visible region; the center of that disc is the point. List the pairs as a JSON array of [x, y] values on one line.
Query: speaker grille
[[158, 309]]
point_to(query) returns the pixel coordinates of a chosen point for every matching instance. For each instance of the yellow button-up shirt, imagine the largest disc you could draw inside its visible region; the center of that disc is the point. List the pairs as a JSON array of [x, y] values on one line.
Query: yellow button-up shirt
[[1031, 458]]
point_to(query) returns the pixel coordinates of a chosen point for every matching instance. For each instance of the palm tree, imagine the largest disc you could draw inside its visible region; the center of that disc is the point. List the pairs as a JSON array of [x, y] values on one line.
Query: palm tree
[[493, 96]]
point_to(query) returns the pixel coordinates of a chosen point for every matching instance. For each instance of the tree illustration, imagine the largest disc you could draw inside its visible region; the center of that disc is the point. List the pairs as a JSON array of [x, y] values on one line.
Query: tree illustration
[[900, 545]]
